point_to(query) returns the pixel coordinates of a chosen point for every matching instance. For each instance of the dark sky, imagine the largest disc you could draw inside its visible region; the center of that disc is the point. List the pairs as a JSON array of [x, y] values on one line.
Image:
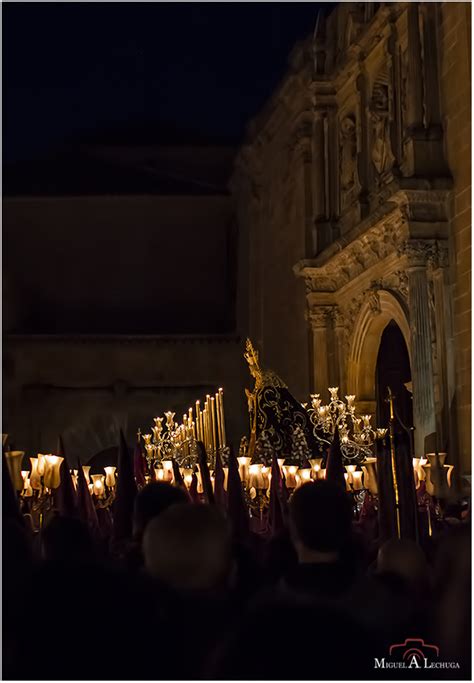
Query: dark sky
[[70, 67]]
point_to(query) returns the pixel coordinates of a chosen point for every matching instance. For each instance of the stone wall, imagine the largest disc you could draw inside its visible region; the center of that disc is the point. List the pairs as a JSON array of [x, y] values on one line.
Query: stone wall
[[454, 35], [86, 388], [359, 166]]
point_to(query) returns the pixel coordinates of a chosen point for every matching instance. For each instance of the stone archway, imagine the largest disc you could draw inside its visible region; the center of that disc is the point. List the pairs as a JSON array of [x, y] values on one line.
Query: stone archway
[[375, 314]]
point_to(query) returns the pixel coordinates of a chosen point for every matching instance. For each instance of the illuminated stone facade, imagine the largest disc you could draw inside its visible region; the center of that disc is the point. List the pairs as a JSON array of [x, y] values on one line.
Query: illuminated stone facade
[[353, 197]]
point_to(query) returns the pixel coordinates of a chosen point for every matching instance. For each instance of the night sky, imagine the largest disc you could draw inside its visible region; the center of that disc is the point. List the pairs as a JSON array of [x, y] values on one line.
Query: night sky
[[70, 68]]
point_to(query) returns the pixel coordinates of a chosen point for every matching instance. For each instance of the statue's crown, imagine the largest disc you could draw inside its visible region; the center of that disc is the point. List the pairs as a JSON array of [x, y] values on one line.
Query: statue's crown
[[251, 354]]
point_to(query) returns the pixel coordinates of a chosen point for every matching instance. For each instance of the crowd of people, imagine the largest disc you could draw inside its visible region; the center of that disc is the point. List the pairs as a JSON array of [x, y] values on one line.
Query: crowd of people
[[188, 598]]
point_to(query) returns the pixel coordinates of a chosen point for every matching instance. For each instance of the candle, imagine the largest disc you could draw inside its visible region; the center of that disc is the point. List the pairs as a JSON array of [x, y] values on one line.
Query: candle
[[110, 476], [244, 463], [346, 477], [198, 425], [357, 481], [159, 474], [221, 405], [35, 479], [168, 469], [218, 419], [41, 464], [14, 460], [85, 469], [52, 478], [98, 485], [305, 474], [255, 476], [213, 423]]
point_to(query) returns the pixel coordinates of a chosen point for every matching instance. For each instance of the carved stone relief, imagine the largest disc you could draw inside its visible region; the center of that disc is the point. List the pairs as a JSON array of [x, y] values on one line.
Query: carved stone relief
[[348, 159], [381, 150]]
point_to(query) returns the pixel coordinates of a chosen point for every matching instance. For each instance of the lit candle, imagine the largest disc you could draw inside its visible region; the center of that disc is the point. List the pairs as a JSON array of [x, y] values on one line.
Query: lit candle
[[52, 478], [35, 479], [226, 476], [198, 422], [41, 464], [14, 460], [244, 462], [98, 485], [85, 469], [218, 419], [305, 474], [110, 476], [221, 405], [213, 423], [255, 476], [168, 470], [357, 481], [346, 477], [159, 474]]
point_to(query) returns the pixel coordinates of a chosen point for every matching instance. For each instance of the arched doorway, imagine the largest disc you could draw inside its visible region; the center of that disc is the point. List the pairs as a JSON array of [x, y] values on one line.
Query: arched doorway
[[393, 370]]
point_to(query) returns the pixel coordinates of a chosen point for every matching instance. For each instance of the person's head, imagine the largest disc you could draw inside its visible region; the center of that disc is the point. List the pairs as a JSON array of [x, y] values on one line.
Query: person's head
[[189, 547], [405, 559], [66, 540], [151, 501], [320, 521]]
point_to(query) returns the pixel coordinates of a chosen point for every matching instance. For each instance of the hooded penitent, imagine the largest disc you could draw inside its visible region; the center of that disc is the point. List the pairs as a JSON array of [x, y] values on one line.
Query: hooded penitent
[[66, 497], [334, 467], [126, 491], [237, 510]]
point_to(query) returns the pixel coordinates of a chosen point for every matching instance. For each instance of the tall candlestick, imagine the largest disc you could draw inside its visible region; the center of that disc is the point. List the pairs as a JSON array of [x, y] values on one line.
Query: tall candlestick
[[198, 422], [218, 415], [213, 423], [221, 404]]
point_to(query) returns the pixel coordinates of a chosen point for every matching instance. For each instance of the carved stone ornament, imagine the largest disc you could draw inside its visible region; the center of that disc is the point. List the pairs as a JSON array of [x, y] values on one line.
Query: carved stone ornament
[[369, 249], [420, 253], [381, 153], [319, 316]]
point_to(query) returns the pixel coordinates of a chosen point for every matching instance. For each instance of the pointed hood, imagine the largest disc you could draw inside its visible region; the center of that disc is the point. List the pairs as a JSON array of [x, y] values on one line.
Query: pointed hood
[[205, 474], [65, 494], [85, 505], [220, 495], [193, 489], [386, 495], [236, 507], [125, 493], [139, 465], [10, 505], [277, 513], [334, 467]]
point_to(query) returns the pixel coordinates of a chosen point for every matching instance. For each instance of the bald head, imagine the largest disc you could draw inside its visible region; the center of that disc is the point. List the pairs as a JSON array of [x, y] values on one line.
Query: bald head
[[188, 547]]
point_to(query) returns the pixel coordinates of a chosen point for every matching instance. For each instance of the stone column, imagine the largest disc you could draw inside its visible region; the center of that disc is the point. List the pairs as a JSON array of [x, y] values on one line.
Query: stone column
[[339, 351], [424, 412], [415, 70], [319, 318]]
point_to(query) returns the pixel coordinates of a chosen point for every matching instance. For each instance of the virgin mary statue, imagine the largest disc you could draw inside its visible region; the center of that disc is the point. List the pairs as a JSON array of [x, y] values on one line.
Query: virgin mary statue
[[274, 412]]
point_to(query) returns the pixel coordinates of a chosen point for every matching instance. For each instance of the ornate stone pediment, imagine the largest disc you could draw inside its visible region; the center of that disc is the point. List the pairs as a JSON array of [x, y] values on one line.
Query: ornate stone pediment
[[358, 256]]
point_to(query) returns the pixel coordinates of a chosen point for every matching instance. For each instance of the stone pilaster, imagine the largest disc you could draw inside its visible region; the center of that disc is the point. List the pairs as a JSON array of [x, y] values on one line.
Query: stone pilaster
[[319, 322], [321, 199], [424, 411], [339, 359]]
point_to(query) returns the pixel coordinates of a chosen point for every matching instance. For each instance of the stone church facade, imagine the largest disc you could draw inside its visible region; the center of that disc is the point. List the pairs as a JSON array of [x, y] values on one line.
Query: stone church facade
[[354, 206]]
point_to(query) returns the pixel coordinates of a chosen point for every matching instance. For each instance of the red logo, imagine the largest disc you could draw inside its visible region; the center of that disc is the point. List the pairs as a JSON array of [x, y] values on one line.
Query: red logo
[[413, 647]]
